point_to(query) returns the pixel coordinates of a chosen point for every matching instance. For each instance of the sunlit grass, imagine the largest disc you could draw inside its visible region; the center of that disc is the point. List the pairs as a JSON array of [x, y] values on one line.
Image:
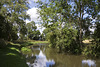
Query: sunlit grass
[[10, 56], [24, 49], [35, 42]]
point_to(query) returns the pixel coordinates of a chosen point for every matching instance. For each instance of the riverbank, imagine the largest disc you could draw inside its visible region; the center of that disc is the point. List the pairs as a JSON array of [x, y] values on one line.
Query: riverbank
[[43, 56], [24, 43], [10, 55]]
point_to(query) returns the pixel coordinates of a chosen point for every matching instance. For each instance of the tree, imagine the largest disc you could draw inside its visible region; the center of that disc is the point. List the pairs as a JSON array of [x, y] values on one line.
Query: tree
[[37, 35], [72, 15], [14, 13], [83, 8], [7, 31], [56, 17], [32, 33]]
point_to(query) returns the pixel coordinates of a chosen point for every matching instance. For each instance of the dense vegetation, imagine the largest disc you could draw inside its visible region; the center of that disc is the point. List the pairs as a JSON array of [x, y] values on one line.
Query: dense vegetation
[[68, 23], [12, 16], [12, 21]]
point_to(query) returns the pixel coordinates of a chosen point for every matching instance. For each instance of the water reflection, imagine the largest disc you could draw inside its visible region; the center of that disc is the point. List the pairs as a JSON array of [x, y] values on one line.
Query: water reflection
[[90, 63], [41, 60], [48, 57]]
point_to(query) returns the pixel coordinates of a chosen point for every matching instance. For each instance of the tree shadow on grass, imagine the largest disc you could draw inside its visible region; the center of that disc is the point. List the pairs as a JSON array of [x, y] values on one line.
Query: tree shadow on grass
[[10, 57], [15, 46]]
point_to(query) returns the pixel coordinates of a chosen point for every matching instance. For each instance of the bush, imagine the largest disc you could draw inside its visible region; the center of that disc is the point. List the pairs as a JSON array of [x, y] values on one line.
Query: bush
[[64, 40], [91, 51]]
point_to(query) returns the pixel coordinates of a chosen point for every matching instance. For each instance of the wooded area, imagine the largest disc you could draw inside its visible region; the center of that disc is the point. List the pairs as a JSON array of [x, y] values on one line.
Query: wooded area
[[67, 24], [71, 27]]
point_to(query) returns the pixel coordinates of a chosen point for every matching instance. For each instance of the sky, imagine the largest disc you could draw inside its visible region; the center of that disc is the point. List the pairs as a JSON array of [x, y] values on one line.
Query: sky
[[33, 14]]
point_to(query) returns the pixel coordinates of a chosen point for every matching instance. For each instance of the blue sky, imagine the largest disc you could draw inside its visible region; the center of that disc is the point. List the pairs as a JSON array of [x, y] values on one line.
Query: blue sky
[[33, 14], [32, 4]]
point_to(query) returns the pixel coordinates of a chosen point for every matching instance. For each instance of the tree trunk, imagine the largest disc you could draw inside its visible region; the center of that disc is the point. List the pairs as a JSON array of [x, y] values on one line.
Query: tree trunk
[[80, 25]]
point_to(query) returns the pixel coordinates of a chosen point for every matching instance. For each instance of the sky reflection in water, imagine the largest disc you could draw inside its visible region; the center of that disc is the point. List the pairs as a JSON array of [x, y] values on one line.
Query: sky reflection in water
[[90, 63], [41, 61], [48, 57]]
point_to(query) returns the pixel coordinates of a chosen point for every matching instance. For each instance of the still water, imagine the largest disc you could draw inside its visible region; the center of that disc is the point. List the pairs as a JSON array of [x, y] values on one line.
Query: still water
[[41, 56]]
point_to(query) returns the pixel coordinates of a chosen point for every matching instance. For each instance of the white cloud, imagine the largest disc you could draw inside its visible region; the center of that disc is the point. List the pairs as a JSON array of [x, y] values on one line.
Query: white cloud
[[33, 14], [27, 21], [40, 28], [34, 17]]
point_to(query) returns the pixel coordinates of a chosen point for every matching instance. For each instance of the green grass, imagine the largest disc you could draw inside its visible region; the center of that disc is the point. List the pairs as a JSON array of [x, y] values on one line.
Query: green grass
[[25, 49], [10, 56], [29, 42], [35, 42]]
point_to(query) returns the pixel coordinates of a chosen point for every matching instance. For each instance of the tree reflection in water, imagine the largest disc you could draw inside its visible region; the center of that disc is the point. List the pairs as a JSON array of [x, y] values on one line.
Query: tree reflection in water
[[49, 57]]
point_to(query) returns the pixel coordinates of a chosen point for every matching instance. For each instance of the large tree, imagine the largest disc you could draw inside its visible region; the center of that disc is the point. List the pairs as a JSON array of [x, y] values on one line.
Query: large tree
[[56, 16], [73, 14], [14, 13], [84, 12]]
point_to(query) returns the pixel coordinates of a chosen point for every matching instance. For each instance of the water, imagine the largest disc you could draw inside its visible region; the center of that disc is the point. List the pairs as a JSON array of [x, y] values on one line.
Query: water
[[41, 56]]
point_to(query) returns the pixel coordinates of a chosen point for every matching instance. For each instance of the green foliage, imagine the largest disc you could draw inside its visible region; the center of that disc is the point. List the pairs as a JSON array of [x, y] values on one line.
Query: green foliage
[[94, 49], [32, 33], [42, 37], [52, 39], [91, 51], [25, 49], [96, 34], [45, 34], [70, 41], [12, 16], [64, 40], [96, 41], [8, 32], [68, 22]]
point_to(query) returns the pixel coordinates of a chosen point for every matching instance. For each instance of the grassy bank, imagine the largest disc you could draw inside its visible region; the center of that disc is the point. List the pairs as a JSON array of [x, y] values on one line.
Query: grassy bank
[[10, 56], [28, 42]]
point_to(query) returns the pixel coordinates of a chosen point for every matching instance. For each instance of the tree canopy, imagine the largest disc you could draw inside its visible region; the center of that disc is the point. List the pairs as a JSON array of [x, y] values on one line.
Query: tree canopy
[[13, 14], [69, 22]]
